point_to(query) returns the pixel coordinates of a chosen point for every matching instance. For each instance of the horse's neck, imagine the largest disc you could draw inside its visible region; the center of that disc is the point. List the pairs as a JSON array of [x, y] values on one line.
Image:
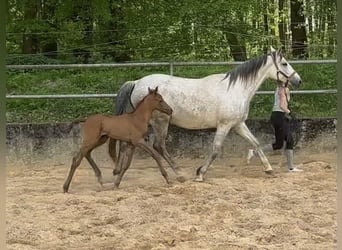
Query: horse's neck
[[263, 73]]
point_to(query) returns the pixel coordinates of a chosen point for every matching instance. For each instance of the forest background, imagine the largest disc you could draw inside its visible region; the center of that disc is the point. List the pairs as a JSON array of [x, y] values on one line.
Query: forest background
[[120, 31]]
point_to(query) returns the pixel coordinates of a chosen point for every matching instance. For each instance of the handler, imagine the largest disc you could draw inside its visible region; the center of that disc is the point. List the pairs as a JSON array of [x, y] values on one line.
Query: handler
[[280, 119]]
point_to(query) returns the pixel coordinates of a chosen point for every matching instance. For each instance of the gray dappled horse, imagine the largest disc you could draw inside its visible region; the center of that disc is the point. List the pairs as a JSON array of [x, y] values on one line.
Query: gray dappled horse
[[218, 101]]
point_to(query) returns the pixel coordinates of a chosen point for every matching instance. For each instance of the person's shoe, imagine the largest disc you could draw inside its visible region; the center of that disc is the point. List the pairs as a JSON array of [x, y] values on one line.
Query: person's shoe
[[295, 169], [290, 166]]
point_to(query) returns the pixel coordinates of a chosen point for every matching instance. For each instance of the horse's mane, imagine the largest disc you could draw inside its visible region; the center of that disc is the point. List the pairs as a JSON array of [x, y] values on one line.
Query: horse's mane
[[247, 70]]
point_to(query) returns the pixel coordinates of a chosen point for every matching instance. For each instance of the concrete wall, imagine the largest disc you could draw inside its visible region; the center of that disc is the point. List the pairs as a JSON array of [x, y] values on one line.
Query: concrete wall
[[53, 140]]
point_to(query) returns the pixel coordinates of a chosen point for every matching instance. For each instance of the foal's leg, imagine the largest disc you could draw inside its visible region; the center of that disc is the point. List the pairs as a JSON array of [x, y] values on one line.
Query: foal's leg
[[76, 161], [124, 162], [221, 133], [156, 156], [160, 125], [92, 163], [243, 130]]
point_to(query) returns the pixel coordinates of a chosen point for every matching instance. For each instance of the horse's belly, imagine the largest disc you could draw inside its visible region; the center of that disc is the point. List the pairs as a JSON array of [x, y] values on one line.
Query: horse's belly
[[193, 120], [193, 108]]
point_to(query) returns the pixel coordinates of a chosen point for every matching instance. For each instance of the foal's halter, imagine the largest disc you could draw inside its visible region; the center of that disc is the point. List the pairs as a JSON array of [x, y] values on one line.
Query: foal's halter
[[281, 72]]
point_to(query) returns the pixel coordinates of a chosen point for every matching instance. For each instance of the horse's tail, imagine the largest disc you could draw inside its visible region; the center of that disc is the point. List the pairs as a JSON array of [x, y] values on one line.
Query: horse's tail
[[123, 102], [123, 105]]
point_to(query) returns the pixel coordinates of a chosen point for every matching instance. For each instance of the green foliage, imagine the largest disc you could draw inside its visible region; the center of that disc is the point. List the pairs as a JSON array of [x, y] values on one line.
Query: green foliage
[[164, 30]]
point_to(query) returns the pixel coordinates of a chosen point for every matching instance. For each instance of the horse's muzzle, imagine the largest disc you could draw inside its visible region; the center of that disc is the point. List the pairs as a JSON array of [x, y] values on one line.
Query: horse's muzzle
[[295, 81]]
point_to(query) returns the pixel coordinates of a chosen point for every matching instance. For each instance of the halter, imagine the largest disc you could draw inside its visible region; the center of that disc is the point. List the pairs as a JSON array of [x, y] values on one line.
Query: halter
[[281, 72]]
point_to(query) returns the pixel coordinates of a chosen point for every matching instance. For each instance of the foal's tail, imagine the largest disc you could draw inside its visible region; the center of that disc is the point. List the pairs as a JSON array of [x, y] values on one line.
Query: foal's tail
[[123, 99], [79, 120]]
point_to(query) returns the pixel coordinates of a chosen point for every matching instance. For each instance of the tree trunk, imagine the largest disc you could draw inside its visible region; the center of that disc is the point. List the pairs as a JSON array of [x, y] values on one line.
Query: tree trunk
[[331, 35], [237, 49], [299, 39], [30, 41], [281, 25], [266, 28]]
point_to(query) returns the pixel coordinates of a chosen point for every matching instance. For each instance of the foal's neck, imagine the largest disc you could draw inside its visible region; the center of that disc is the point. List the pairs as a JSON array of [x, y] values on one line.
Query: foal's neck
[[143, 112]]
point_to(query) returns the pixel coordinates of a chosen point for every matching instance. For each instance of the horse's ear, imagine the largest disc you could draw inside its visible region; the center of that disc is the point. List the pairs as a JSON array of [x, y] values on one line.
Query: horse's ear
[[150, 90], [279, 52], [272, 49], [156, 90]]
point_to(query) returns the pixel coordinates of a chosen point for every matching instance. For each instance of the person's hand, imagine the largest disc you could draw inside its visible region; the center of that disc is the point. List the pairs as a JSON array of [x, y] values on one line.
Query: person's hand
[[288, 116]]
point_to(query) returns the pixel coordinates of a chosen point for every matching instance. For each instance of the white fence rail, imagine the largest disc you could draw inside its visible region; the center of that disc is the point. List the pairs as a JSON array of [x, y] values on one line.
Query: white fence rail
[[171, 65]]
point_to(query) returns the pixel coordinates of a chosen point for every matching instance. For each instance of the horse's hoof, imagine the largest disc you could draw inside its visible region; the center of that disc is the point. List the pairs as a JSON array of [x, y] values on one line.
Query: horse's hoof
[[181, 178], [270, 172], [199, 178]]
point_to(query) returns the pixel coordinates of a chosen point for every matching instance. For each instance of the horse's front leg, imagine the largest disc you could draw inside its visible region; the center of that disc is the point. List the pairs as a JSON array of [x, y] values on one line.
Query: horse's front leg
[[221, 133], [243, 130]]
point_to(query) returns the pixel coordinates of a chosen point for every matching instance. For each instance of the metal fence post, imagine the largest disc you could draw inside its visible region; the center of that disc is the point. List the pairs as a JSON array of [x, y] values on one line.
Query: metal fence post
[[171, 68]]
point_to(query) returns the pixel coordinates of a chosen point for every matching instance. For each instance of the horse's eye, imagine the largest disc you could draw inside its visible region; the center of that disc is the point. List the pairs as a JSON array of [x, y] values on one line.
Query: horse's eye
[[284, 64]]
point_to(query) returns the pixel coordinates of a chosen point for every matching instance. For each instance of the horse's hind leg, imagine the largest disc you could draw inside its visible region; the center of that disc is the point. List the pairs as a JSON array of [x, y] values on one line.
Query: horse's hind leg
[[112, 151], [160, 125], [220, 135], [122, 147], [124, 163]]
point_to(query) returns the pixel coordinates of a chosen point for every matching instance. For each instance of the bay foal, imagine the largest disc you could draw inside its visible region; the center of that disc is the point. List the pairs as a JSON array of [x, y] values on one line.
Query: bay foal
[[131, 128]]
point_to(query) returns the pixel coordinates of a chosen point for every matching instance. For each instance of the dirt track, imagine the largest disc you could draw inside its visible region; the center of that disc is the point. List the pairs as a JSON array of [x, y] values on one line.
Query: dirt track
[[237, 207]]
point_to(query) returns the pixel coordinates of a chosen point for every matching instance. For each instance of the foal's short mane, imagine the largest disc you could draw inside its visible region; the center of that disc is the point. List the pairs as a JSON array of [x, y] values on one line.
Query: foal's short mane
[[248, 70], [140, 102]]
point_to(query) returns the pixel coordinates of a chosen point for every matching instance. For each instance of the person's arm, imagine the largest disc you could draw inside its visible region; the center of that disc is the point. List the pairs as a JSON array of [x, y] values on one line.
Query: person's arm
[[283, 100], [287, 94]]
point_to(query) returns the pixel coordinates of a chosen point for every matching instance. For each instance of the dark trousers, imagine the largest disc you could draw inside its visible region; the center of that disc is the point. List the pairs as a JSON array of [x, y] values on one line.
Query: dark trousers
[[282, 130]]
